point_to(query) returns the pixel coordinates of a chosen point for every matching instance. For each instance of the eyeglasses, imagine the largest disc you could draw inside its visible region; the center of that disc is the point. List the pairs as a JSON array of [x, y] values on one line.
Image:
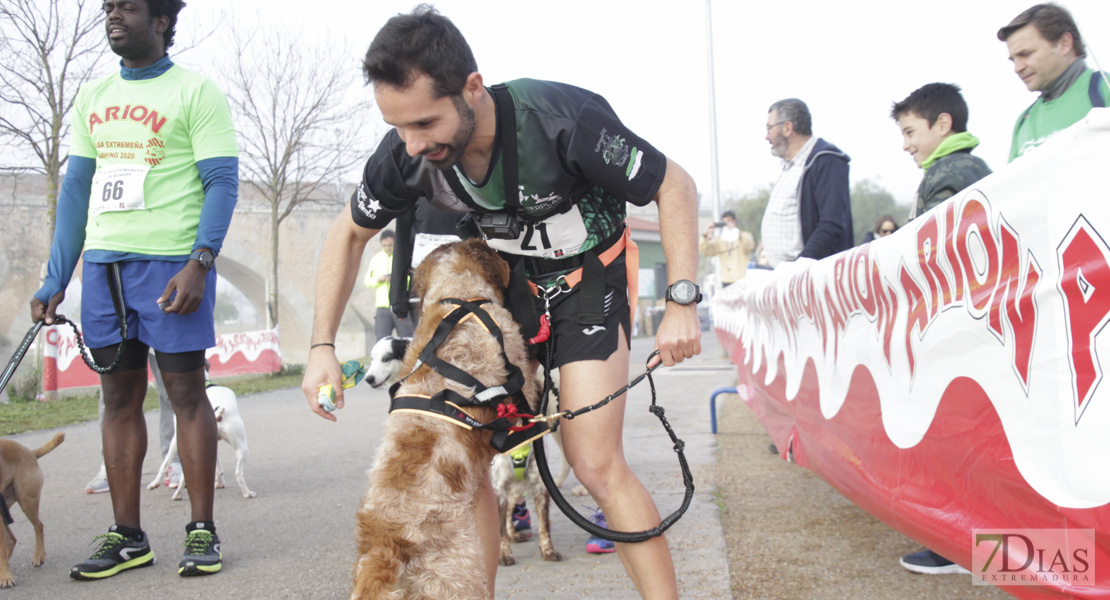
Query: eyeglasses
[[773, 125]]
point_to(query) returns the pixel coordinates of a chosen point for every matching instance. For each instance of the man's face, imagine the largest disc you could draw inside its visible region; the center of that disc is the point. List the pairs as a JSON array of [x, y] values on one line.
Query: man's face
[[775, 134], [387, 245], [438, 129], [918, 138], [132, 32], [1037, 61], [730, 221]]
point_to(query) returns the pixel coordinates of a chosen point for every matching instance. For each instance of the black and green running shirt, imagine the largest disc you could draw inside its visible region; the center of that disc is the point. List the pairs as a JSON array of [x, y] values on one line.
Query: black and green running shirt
[[578, 165]]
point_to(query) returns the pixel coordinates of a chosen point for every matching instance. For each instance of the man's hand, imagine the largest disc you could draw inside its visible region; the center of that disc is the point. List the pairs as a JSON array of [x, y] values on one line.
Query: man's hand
[[46, 312], [189, 285], [679, 334], [323, 367], [709, 231]]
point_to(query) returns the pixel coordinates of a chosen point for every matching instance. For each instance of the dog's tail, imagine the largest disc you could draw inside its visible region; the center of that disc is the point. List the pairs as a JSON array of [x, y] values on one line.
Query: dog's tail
[[52, 444]]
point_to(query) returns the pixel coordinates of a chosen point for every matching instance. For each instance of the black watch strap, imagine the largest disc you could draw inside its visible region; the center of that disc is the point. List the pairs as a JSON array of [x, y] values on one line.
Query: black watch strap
[[204, 257]]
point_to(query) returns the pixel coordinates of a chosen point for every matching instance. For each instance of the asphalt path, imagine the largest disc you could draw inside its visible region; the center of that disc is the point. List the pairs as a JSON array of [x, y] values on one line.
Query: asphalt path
[[296, 538]]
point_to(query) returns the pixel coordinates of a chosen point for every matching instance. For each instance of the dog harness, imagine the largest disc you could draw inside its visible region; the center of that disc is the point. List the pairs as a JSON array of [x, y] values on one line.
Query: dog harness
[[450, 406]]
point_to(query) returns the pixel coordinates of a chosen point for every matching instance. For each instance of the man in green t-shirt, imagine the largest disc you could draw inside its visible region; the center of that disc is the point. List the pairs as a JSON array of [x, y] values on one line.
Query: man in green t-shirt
[[150, 187], [1047, 52]]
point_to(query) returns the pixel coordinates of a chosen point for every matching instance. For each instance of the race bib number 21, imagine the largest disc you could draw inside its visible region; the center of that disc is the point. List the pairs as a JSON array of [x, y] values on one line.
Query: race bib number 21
[[557, 236], [118, 188]]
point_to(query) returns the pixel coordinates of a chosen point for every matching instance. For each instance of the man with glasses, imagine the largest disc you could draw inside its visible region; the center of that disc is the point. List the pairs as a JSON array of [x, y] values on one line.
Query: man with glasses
[[809, 213]]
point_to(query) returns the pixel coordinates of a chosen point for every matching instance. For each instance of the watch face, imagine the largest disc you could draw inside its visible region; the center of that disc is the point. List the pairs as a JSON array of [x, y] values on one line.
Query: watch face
[[683, 292]]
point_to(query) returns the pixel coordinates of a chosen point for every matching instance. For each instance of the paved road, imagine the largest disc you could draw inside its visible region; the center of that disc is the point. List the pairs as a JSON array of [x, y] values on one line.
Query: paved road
[[296, 540]]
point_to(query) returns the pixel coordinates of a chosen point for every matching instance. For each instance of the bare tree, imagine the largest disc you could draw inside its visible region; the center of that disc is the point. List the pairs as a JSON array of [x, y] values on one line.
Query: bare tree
[[299, 129], [48, 48]]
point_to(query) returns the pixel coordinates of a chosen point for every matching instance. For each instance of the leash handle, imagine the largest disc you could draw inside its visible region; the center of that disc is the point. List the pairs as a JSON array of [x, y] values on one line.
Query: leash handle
[[20, 352]]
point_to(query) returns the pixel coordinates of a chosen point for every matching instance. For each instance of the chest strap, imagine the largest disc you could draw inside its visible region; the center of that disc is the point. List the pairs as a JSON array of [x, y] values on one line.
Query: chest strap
[[449, 405], [470, 309]]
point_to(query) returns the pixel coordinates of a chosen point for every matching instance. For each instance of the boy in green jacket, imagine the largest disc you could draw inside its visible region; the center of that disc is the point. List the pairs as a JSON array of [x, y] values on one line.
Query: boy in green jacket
[[933, 120]]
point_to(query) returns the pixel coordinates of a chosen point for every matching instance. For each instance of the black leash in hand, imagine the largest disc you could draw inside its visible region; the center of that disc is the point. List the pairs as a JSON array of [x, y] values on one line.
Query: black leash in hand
[[557, 495], [115, 287]]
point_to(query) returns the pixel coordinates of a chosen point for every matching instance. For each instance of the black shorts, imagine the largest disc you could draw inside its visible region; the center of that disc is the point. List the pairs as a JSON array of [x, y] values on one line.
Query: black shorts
[[574, 341], [135, 357]]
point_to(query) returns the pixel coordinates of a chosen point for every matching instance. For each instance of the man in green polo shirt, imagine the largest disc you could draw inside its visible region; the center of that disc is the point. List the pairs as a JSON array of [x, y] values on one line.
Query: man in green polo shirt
[[1047, 52]]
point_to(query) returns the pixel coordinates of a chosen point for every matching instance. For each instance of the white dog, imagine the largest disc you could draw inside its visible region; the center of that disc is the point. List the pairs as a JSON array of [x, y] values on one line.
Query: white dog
[[229, 426], [385, 360]]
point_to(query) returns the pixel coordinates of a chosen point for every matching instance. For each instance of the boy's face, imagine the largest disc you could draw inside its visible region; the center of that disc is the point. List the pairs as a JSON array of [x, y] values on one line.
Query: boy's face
[[918, 138]]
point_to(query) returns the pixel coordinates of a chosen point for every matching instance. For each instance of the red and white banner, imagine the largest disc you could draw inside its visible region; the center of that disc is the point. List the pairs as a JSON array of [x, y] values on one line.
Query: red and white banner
[[948, 378], [251, 352]]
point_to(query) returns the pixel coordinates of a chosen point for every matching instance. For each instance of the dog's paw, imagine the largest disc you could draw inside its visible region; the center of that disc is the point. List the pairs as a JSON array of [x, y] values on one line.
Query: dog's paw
[[506, 560], [249, 494], [153, 484], [7, 582], [517, 537], [552, 556], [579, 490]]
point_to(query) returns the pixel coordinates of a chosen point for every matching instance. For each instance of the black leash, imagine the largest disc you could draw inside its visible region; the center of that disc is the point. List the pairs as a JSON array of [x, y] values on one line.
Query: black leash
[[557, 495], [115, 286]]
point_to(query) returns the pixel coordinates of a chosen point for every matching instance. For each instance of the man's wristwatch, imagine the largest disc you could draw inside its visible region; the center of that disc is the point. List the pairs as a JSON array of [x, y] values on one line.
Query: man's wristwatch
[[203, 257], [683, 292]]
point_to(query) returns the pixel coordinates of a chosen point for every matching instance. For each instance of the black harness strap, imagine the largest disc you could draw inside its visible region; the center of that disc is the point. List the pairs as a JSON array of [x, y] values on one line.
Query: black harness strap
[[506, 128], [447, 404], [521, 302], [512, 386], [593, 291]]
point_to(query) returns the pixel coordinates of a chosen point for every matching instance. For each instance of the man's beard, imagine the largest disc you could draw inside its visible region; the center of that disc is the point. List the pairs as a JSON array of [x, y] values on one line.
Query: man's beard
[[459, 141]]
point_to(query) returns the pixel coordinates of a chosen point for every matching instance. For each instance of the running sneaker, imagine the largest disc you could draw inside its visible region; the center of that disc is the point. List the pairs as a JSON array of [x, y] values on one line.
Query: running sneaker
[[597, 545], [927, 562], [117, 553], [173, 475], [202, 552], [99, 484], [522, 520]]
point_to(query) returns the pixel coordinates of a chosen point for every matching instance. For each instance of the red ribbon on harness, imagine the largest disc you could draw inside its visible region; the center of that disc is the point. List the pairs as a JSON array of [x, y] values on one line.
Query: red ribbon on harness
[[509, 411], [544, 333]]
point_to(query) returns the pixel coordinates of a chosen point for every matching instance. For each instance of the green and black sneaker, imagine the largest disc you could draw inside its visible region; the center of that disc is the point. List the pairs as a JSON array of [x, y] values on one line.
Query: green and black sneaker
[[202, 550], [122, 548]]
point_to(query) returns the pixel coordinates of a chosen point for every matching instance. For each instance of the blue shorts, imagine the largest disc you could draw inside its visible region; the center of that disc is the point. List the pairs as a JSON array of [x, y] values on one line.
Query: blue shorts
[[143, 282]]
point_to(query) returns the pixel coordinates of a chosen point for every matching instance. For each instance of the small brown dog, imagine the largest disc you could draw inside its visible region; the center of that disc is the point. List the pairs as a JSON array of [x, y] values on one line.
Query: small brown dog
[[415, 529], [21, 481]]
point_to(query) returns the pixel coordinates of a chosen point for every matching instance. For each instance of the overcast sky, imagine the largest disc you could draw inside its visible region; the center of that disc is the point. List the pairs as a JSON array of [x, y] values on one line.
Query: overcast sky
[[847, 60]]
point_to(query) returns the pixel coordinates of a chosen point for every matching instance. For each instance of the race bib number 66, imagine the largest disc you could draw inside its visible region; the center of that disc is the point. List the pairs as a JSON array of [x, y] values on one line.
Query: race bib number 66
[[118, 188]]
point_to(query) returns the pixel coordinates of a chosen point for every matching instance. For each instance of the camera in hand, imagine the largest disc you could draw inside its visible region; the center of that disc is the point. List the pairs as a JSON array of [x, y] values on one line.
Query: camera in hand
[[499, 225], [719, 224]]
